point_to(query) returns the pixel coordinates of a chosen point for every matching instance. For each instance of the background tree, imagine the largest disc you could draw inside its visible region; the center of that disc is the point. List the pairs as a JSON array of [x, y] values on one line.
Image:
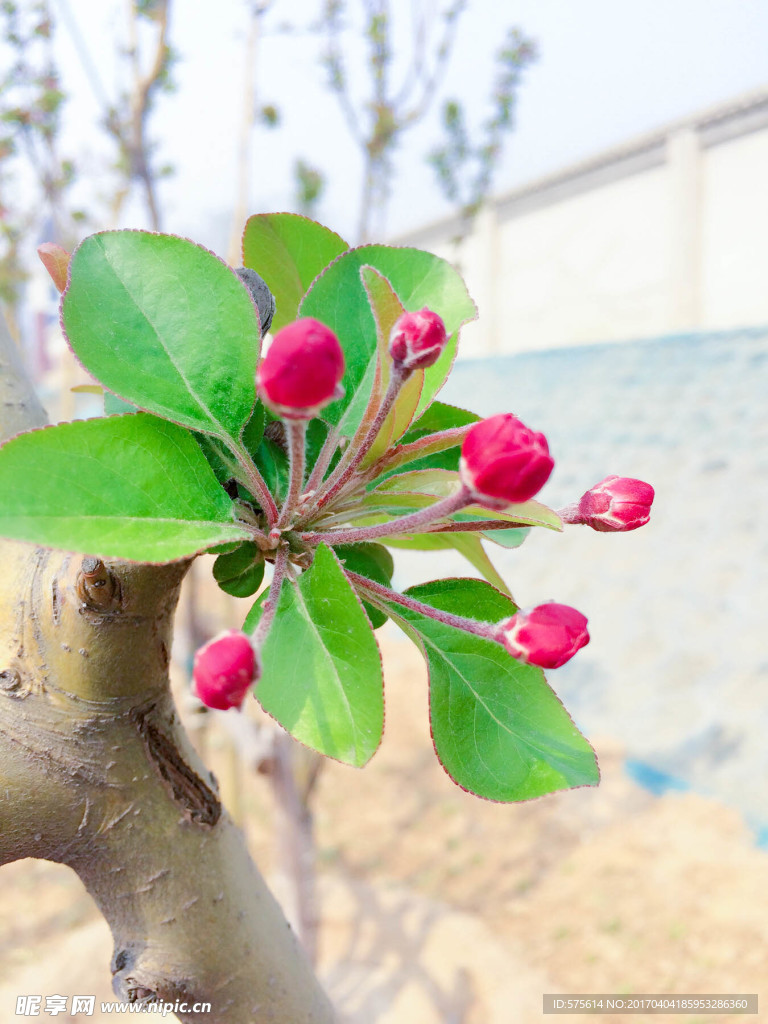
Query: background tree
[[465, 169], [34, 177], [126, 120], [378, 122], [310, 185], [252, 113]]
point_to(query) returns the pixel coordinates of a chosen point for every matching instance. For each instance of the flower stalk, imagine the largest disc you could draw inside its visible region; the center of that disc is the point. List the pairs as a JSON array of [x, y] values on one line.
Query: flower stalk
[[254, 481], [323, 460], [297, 433], [259, 635], [359, 447], [380, 595], [416, 522]]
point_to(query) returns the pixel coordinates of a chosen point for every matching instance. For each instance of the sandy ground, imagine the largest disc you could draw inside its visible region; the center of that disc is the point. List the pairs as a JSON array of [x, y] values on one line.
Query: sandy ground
[[439, 908]]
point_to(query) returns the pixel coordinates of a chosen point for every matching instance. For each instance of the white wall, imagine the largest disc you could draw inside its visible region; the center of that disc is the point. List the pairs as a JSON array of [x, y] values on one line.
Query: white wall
[[667, 234], [590, 268], [734, 271]]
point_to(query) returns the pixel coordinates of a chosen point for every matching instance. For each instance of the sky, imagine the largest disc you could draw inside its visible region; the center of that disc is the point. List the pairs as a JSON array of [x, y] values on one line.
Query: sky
[[608, 70]]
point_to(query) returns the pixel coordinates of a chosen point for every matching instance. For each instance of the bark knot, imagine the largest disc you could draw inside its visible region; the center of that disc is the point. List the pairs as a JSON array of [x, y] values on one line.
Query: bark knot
[[13, 684], [97, 586]]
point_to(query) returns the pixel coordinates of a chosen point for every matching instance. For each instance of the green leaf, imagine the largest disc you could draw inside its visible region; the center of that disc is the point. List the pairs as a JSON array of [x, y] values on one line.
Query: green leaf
[[432, 483], [224, 549], [527, 513], [253, 431], [166, 325], [426, 445], [321, 669], [467, 544], [317, 432], [240, 572], [338, 298], [367, 559], [288, 251], [133, 487], [375, 563], [498, 729], [114, 405], [272, 462], [218, 457], [506, 538], [440, 416]]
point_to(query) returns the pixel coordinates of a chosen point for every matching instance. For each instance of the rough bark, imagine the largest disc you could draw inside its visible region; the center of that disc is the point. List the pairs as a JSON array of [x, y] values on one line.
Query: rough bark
[[97, 773]]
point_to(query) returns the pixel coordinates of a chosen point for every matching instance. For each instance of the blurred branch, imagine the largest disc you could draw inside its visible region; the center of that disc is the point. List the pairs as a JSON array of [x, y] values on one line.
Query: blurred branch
[[465, 169], [331, 22], [431, 80], [378, 122], [310, 184], [127, 121], [240, 210], [31, 101]]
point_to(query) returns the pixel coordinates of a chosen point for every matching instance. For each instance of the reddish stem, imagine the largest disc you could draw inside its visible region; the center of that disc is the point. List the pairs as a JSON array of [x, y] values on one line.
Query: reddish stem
[[413, 523], [357, 450], [256, 484], [270, 605], [297, 432], [382, 595]]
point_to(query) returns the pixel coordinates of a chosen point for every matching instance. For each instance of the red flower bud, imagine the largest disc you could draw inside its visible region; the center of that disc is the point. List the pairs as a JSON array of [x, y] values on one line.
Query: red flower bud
[[504, 462], [301, 373], [547, 636], [616, 504], [224, 670], [417, 339]]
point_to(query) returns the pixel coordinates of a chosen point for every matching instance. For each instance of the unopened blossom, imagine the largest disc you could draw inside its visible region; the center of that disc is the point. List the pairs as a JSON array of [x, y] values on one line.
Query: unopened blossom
[[616, 504], [503, 462], [547, 636], [301, 373], [417, 340], [224, 670]]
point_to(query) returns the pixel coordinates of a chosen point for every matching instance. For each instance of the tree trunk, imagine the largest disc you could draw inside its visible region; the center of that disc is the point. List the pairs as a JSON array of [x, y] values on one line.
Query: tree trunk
[[97, 773]]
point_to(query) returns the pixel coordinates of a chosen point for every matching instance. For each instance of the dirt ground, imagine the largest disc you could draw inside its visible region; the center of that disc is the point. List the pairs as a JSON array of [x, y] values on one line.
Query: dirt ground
[[439, 908]]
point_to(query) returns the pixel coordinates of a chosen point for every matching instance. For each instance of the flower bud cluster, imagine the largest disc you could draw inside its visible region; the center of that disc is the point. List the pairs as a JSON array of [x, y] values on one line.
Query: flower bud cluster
[[502, 463]]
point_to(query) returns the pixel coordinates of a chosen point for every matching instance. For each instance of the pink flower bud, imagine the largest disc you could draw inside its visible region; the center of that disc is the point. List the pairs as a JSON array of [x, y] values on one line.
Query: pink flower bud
[[224, 670], [301, 373], [616, 504], [547, 636], [503, 461], [417, 339]]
